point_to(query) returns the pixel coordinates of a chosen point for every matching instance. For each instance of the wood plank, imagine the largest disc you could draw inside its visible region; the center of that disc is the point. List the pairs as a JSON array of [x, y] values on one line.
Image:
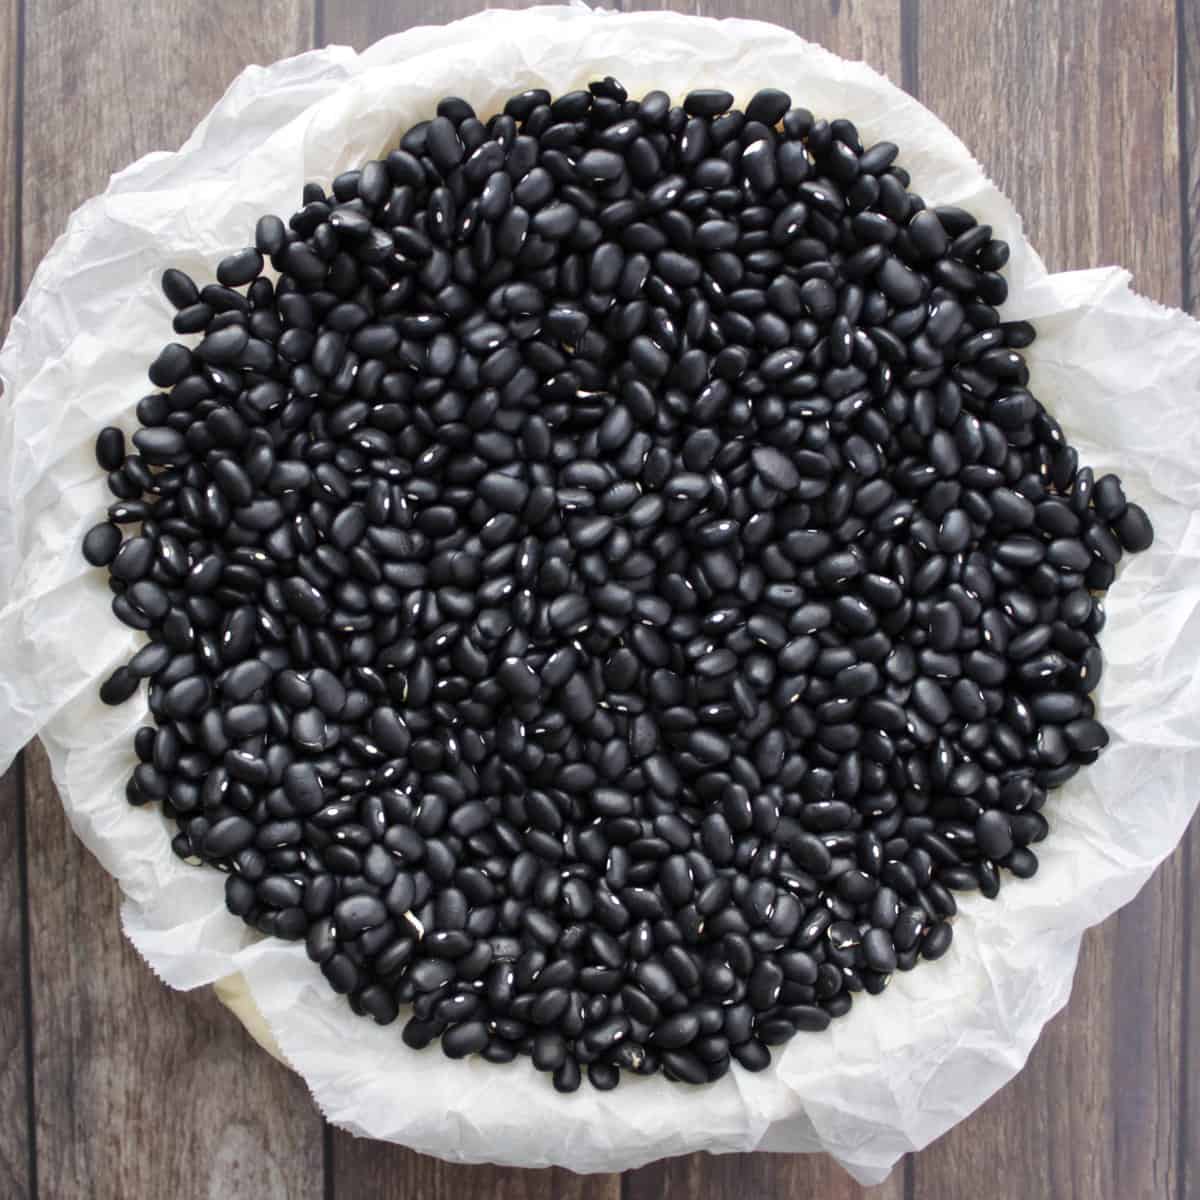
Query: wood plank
[[15, 1178], [385, 1172], [858, 30], [143, 75], [1189, 113], [1189, 1099], [754, 1177], [358, 23], [1095, 1114], [139, 1091], [1101, 182], [1189, 1093], [15, 1099], [10, 134], [854, 28]]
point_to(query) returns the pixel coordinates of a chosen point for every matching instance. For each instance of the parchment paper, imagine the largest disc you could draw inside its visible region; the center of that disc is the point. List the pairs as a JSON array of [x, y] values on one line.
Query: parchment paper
[[1122, 374]]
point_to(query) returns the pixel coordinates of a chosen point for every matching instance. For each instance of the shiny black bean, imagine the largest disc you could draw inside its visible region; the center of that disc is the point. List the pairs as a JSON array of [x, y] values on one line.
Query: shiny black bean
[[101, 543], [459, 1041], [993, 834], [240, 268], [614, 584], [1133, 529], [224, 345], [707, 102]]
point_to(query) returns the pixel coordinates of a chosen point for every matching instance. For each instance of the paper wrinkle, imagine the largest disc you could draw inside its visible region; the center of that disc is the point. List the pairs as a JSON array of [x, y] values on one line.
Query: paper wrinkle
[[1121, 373]]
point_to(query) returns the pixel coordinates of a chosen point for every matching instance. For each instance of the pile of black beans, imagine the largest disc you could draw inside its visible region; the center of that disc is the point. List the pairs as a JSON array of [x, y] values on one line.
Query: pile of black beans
[[610, 585]]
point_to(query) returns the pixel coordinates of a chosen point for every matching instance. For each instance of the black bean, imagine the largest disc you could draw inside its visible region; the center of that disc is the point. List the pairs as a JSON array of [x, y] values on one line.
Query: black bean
[[179, 288], [101, 543], [269, 235], [187, 697], [759, 166], [993, 834], [1133, 529], [224, 345], [927, 234], [776, 469], [549, 1051], [505, 493], [764, 984], [119, 686], [470, 1037], [707, 102], [150, 660], [567, 1077], [1108, 498], [878, 951], [240, 268], [603, 1076], [228, 836], [898, 283], [358, 913], [600, 166], [110, 448], [677, 1031], [590, 596], [768, 106], [936, 941]]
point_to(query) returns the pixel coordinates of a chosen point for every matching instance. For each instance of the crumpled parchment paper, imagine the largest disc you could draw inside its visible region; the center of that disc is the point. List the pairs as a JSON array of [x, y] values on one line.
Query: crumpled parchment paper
[[1120, 372]]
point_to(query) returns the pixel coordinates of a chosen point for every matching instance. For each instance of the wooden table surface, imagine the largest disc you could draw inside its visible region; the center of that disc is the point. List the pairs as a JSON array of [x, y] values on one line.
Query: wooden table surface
[[1087, 113]]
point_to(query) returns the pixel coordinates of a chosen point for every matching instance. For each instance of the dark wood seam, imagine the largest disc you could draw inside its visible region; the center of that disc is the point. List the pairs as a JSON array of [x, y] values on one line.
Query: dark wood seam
[[328, 1181], [23, 878], [1185, 181], [910, 63]]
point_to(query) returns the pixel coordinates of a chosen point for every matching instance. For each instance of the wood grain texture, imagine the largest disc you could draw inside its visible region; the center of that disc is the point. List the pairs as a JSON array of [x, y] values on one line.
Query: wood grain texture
[[1096, 1113], [107, 81], [358, 23], [754, 1177], [15, 1178], [1189, 1098], [1189, 118], [361, 1170], [139, 1091], [10, 137], [1099, 183], [856, 29]]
